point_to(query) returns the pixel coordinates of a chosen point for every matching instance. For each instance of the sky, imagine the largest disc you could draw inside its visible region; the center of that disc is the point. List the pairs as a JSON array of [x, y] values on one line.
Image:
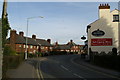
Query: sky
[[62, 21]]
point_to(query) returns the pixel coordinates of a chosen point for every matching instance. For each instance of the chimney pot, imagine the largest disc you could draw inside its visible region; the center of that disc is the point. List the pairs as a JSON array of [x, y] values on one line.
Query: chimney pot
[[21, 33], [71, 41], [56, 43], [104, 6], [34, 36], [49, 40]]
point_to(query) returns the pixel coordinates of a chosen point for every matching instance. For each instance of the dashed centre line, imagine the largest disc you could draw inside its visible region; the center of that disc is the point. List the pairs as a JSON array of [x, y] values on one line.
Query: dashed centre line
[[64, 67], [73, 73]]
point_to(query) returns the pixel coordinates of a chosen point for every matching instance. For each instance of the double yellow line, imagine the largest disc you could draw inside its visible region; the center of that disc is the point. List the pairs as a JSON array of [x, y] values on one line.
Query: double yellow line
[[38, 70]]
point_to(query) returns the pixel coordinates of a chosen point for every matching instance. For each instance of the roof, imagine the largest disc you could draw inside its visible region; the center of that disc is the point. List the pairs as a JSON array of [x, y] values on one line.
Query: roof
[[115, 9], [20, 39], [43, 42], [71, 44], [65, 46], [62, 47], [30, 41]]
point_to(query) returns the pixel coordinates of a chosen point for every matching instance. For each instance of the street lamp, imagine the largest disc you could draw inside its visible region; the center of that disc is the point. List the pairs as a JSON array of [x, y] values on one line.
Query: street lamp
[[27, 32]]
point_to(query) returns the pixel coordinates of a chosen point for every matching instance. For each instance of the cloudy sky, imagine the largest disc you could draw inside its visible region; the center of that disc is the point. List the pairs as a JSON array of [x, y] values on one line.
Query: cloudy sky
[[62, 21]]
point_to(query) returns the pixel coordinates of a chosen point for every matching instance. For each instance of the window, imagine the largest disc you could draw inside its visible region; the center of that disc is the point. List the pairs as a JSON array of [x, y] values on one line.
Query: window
[[37, 47], [51, 48], [31, 46], [115, 18], [24, 46], [20, 46], [42, 47], [27, 46]]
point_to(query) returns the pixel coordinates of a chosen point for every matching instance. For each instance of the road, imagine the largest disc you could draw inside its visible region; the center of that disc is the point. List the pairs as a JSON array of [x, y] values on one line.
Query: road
[[63, 67]]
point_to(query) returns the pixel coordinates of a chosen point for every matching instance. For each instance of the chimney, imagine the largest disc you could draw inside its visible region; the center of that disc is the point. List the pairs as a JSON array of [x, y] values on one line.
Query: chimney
[[49, 40], [104, 10], [12, 39], [56, 43], [104, 6], [21, 33], [34, 36], [71, 41]]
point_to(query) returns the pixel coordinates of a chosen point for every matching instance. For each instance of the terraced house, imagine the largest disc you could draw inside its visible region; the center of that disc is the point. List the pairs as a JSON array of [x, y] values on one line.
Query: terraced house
[[69, 47], [34, 45]]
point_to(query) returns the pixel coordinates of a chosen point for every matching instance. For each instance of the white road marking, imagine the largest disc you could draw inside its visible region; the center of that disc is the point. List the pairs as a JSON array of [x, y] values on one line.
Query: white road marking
[[93, 69], [73, 73], [79, 76], [64, 67]]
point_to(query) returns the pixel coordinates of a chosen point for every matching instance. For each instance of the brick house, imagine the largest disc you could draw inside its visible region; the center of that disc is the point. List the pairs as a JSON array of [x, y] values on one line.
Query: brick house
[[69, 47], [61, 47], [73, 47], [18, 43]]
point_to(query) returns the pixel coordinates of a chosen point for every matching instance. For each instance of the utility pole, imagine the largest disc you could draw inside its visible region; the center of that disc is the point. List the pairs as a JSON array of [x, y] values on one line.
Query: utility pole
[[1, 52], [4, 15]]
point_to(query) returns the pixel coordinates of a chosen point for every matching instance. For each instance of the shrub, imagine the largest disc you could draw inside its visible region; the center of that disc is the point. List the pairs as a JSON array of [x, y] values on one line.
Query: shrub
[[10, 62], [8, 51], [41, 54], [31, 55]]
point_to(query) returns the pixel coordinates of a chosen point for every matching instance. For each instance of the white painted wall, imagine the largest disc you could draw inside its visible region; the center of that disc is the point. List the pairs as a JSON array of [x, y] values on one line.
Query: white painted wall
[[106, 24]]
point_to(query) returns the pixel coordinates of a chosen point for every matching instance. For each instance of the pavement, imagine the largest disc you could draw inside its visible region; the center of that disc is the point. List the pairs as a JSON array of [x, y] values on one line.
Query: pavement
[[26, 69]]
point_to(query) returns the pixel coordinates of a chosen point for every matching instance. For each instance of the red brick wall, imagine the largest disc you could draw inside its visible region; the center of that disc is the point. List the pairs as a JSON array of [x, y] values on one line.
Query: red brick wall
[[44, 49], [75, 49], [22, 48]]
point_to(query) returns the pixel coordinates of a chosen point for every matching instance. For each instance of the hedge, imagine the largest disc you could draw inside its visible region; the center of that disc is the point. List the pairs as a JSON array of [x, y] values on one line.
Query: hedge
[[11, 62]]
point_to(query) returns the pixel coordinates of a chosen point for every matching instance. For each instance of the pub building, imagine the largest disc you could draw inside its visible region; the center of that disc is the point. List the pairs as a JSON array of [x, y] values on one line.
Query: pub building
[[103, 34]]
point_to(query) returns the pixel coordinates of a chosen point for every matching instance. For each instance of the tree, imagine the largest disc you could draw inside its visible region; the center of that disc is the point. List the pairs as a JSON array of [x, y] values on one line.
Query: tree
[[5, 23]]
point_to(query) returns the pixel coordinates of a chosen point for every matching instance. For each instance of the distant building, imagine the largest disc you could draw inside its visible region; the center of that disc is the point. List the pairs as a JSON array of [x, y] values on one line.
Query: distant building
[[69, 47], [104, 33], [61, 47], [34, 45]]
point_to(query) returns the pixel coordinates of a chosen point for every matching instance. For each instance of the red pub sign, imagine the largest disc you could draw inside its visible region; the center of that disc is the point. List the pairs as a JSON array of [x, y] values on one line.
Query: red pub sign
[[101, 42]]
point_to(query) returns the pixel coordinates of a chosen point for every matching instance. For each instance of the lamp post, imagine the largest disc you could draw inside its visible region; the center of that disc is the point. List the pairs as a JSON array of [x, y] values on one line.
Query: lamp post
[[27, 32]]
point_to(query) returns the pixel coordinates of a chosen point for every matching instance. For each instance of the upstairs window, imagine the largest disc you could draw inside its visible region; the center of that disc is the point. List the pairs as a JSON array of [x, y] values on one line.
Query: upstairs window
[[115, 18]]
